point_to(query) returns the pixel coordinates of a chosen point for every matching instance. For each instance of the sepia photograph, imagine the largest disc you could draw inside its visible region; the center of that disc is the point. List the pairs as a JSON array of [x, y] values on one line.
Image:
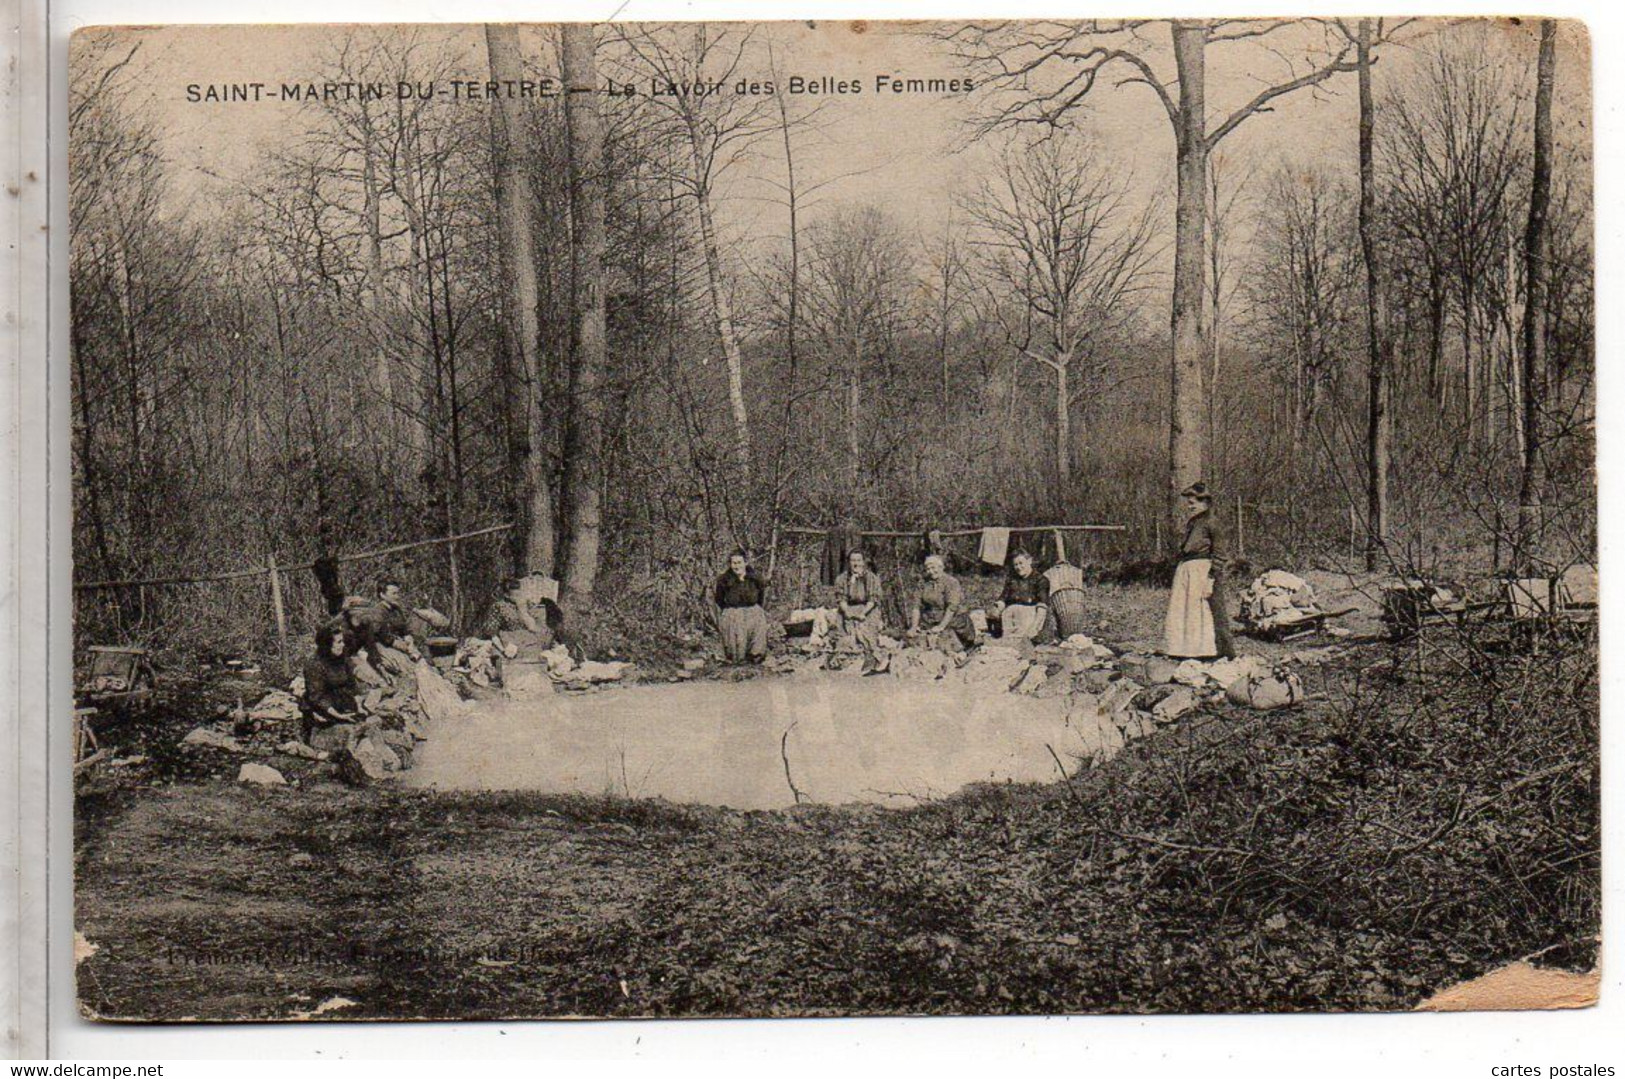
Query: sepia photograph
[[784, 519]]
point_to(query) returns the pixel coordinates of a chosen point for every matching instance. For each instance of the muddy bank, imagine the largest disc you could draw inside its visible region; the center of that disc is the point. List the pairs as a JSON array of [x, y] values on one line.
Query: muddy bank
[[1223, 862]]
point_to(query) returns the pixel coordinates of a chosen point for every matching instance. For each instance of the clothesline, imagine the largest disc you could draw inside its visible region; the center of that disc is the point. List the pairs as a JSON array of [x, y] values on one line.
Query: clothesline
[[797, 530], [260, 571]]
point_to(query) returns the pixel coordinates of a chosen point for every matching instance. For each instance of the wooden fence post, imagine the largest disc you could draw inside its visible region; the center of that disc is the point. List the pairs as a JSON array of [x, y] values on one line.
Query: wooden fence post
[[281, 615], [456, 584]]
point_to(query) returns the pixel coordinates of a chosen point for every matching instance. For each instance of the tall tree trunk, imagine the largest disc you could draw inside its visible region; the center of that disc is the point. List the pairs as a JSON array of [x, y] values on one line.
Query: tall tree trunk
[[792, 324], [1534, 311], [1379, 420], [942, 338], [1213, 440], [1436, 313], [418, 432], [519, 276], [584, 444], [383, 373], [1511, 327], [854, 436], [454, 451], [1215, 267], [1469, 365], [1299, 399], [722, 316], [1063, 434], [1187, 399]]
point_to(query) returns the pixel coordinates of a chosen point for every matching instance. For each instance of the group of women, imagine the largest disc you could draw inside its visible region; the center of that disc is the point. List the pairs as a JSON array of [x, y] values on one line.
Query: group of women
[[1197, 625], [370, 645]]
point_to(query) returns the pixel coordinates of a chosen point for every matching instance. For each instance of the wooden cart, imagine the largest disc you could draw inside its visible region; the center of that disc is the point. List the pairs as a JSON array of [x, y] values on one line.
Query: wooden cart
[[119, 677], [1565, 602]]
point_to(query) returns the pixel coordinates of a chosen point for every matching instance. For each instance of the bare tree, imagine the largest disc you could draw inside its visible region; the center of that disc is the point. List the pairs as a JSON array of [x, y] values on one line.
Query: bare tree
[[1067, 256], [1044, 69], [1534, 311], [510, 145], [947, 285], [1301, 289], [783, 287], [1379, 419], [584, 441], [1225, 192], [694, 65], [858, 284], [132, 266], [1454, 164], [354, 129]]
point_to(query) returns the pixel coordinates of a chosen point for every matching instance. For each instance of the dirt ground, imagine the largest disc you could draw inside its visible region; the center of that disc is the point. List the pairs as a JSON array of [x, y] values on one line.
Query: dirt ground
[[1393, 836]]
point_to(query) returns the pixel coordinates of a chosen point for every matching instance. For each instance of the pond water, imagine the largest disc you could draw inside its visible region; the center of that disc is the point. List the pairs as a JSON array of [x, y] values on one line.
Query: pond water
[[842, 738]]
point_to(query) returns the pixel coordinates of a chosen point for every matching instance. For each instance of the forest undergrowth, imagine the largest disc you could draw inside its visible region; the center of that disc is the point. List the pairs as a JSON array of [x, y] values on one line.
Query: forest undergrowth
[[1427, 815]]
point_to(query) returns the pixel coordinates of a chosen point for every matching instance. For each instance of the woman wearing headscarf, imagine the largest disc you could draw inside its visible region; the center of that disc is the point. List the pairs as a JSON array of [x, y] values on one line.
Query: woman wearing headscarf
[[1198, 623], [740, 597]]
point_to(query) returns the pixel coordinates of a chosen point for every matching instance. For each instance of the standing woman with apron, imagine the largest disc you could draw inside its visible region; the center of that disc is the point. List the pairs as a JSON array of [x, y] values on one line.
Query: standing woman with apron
[[1198, 619]]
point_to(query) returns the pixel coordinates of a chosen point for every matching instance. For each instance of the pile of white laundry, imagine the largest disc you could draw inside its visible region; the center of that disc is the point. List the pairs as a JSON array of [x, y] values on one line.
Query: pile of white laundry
[[1278, 600]]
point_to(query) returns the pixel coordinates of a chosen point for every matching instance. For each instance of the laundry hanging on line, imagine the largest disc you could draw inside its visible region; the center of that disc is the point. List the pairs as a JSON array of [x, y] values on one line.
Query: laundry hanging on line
[[838, 544], [995, 546]]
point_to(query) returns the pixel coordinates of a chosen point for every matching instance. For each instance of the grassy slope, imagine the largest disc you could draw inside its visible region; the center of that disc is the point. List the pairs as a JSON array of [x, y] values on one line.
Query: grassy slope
[[1398, 834]]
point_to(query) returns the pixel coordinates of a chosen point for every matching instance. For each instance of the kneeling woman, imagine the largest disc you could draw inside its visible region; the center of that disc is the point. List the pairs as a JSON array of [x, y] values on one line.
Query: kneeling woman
[[739, 597], [1198, 623]]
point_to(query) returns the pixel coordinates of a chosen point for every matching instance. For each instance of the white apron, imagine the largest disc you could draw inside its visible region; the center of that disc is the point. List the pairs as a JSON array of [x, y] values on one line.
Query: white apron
[[1023, 620], [1190, 615]]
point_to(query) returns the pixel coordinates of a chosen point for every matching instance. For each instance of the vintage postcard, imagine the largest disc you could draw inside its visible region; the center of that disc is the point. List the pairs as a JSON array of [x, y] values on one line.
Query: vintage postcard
[[789, 519]]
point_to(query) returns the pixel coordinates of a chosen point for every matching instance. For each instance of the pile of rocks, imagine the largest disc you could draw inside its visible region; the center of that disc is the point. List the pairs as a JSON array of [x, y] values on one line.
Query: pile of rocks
[[371, 751], [1149, 692], [1144, 690]]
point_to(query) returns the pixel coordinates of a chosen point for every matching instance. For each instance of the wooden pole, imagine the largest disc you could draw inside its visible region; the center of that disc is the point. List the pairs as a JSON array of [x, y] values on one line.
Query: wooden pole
[[1241, 538], [281, 615], [800, 530], [456, 585]]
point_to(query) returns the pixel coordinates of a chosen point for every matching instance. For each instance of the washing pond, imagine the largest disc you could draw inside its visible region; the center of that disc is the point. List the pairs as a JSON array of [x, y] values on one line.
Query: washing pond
[[755, 744]]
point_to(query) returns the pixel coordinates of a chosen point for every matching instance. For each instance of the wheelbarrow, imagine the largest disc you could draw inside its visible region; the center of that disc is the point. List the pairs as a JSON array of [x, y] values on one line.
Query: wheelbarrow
[[1307, 624], [1412, 606], [1565, 603]]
